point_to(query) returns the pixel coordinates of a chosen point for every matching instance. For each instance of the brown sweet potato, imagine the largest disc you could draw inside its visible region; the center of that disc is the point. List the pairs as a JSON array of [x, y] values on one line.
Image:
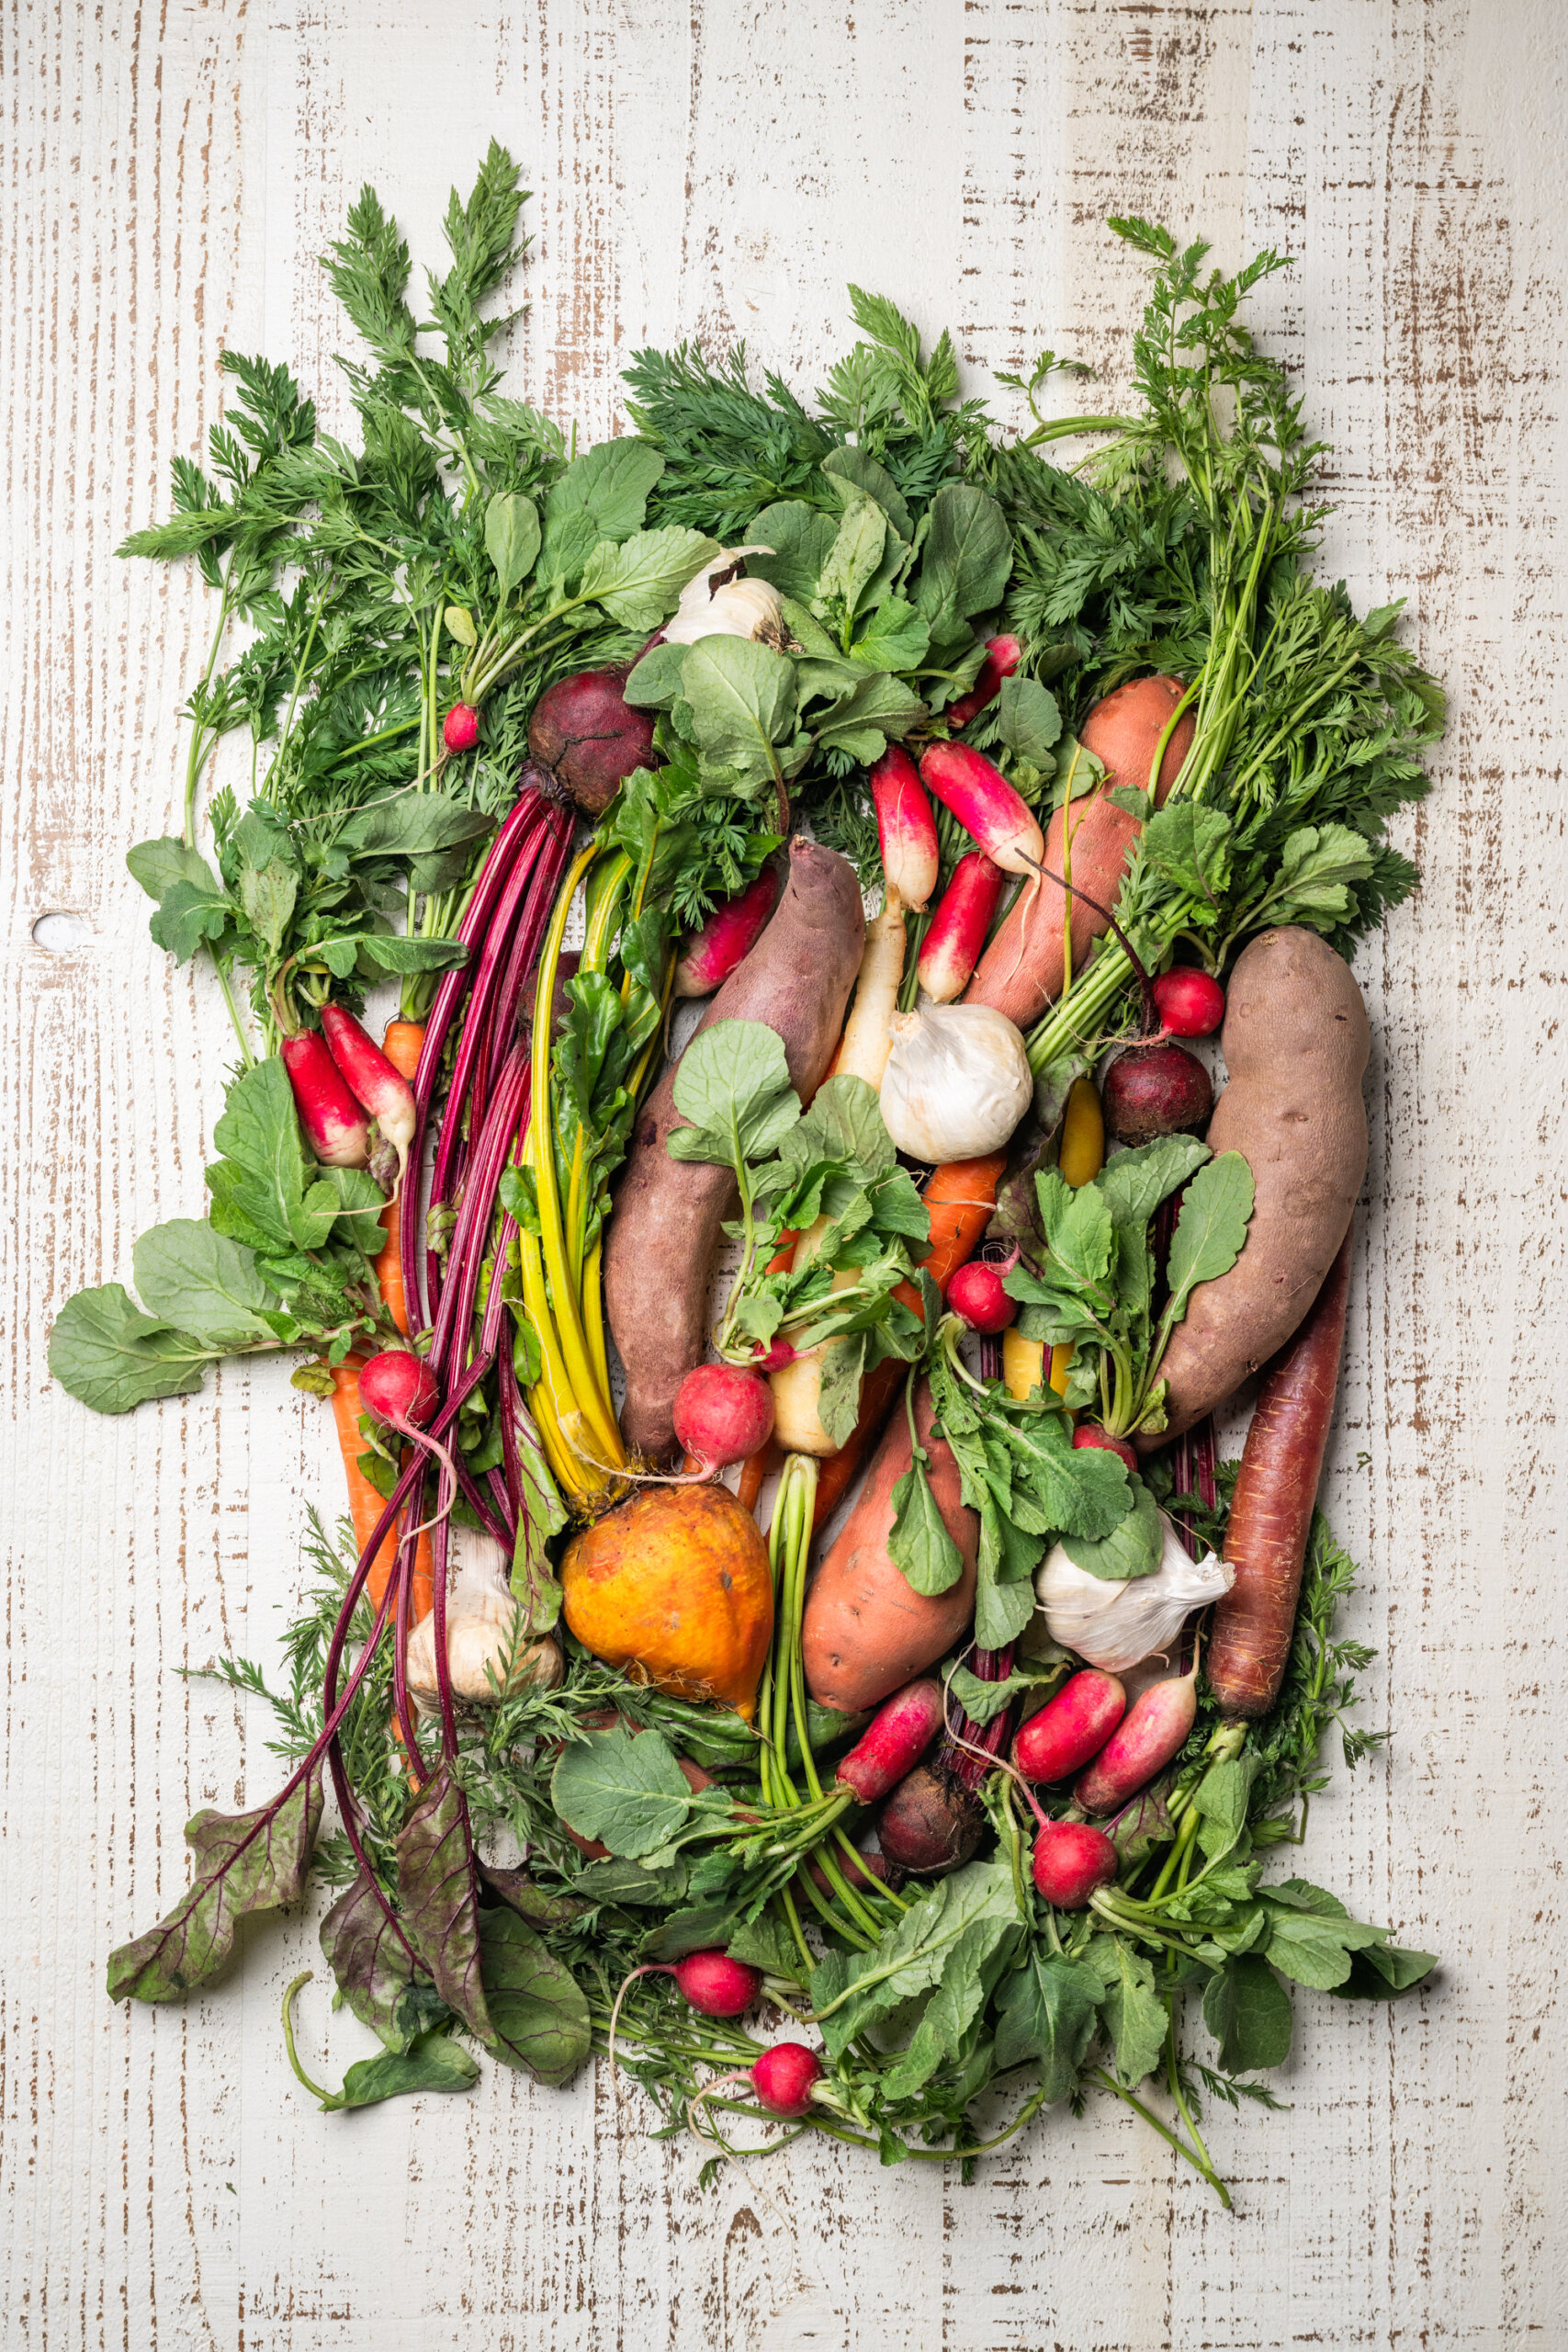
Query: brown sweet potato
[[1295, 1043], [865, 1633], [664, 1233], [1020, 972]]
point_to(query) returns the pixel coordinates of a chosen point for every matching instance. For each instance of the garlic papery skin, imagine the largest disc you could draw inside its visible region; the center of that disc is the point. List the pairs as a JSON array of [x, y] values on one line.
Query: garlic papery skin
[[482, 1644], [957, 1081], [722, 602], [1116, 1626]]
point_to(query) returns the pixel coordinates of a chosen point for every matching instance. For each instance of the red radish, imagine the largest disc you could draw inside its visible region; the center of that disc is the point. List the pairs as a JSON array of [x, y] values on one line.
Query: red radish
[[1071, 1861], [372, 1081], [716, 1985], [397, 1387], [976, 1297], [894, 1741], [1003, 655], [784, 2077], [1190, 1004], [1076, 1725], [588, 738], [951, 948], [986, 805], [727, 937], [335, 1127], [460, 729], [778, 1355], [1153, 1730], [906, 827], [722, 1414], [1090, 1434], [1159, 1090]]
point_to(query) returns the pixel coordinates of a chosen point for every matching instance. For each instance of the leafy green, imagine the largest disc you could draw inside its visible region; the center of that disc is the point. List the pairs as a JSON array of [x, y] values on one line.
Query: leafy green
[[376, 1972], [733, 1085], [625, 1794], [860, 1989], [538, 2016], [245, 1862], [1048, 2011], [435, 1874], [1133, 1548], [1247, 2010], [103, 1350]]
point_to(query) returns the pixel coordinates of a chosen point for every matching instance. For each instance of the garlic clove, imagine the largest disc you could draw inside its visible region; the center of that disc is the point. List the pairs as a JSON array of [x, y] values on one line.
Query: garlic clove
[[722, 602]]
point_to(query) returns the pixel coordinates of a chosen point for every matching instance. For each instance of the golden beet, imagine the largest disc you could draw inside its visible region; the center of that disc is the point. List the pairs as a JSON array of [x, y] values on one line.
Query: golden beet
[[676, 1585]]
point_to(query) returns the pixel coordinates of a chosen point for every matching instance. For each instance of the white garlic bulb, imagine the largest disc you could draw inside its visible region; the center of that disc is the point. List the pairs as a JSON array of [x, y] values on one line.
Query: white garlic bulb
[[483, 1644], [957, 1081], [1117, 1625], [722, 602]]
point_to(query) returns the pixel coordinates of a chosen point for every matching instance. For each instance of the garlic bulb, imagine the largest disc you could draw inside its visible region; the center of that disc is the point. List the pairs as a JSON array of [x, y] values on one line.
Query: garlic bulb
[[721, 602], [1116, 1625], [481, 1644], [957, 1081]]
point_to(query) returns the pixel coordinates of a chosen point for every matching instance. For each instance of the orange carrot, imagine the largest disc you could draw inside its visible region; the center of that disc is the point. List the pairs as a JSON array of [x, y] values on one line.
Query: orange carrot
[[753, 1474], [401, 1045], [961, 1200], [365, 1504]]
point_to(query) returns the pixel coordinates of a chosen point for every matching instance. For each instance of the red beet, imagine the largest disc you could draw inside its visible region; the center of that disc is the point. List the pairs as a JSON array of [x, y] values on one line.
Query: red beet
[[717, 1985], [1190, 1003], [1070, 1860], [588, 738], [975, 1294], [1090, 1434], [784, 2077], [397, 1387], [460, 730], [929, 1823], [1156, 1090], [722, 1414]]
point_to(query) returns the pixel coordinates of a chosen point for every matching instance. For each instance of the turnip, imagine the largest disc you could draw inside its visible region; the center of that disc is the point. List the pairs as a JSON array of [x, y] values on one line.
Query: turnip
[[1190, 1004], [460, 729], [977, 1297], [722, 1414], [1073, 1727], [1089, 1433], [709, 956], [1153, 1730], [588, 738], [335, 1127], [951, 948], [1003, 655], [906, 828], [373, 1081], [1159, 1090]]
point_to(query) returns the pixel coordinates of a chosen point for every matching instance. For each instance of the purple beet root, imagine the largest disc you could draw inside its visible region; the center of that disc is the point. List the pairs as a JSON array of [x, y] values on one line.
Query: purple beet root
[[588, 738]]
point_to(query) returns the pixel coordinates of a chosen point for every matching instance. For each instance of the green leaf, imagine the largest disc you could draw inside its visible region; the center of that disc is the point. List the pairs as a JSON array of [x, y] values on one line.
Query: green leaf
[[626, 1793], [435, 1880], [385, 951], [1312, 1945], [966, 558], [1135, 2018], [1190, 844], [639, 582], [1046, 2011], [766, 1943], [190, 1276], [733, 1085], [259, 1132], [538, 2015], [1028, 721], [801, 538], [1210, 1230], [1133, 1183], [896, 637], [533, 1905], [1133, 1548], [855, 558], [983, 1701], [858, 724], [244, 1862], [266, 898], [919, 1544], [460, 625], [1220, 1801], [1247, 2010], [742, 699], [159, 865], [434, 2062], [541, 1516], [1382, 1972], [913, 1953], [656, 681], [513, 538], [844, 1126], [1084, 1490], [1081, 1237], [104, 1350], [192, 905], [602, 495], [375, 1969], [413, 824], [849, 470], [969, 1973], [1317, 865], [839, 1377]]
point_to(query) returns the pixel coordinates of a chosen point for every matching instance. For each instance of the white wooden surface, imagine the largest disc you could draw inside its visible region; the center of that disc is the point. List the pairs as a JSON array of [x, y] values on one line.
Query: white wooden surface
[[170, 171]]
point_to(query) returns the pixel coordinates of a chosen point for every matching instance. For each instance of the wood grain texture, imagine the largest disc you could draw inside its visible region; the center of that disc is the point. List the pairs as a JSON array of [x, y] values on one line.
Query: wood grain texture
[[169, 172]]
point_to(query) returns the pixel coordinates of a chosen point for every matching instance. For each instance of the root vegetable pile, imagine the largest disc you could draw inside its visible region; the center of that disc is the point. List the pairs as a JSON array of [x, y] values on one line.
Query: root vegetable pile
[[971, 1774]]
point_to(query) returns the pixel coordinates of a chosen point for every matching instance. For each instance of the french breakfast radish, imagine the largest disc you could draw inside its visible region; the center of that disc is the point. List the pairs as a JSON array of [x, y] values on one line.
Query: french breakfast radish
[[1003, 655], [722, 1413], [893, 1742], [951, 948], [1270, 1518], [1089, 844], [372, 1081], [985, 804], [906, 828], [709, 956], [1072, 1861], [1153, 1730], [1073, 1727], [335, 1127], [1190, 1004]]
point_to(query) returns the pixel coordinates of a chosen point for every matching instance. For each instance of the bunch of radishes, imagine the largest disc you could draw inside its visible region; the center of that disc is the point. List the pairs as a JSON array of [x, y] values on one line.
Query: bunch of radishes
[[1089, 1724], [355, 1108]]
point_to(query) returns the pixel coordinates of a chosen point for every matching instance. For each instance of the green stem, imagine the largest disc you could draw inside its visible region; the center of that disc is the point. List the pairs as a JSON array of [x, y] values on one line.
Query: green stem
[[1200, 2165]]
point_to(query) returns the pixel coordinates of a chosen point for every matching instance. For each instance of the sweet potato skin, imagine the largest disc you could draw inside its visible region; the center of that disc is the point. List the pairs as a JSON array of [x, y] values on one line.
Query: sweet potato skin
[[1295, 1043], [865, 1633], [1020, 972], [664, 1232]]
